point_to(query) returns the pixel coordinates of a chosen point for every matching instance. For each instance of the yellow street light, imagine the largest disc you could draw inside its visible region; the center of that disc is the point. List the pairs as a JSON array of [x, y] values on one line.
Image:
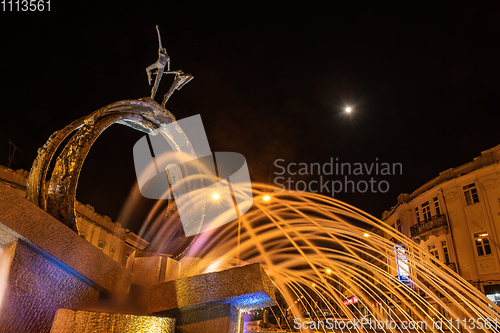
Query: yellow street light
[[266, 198], [216, 196], [366, 234]]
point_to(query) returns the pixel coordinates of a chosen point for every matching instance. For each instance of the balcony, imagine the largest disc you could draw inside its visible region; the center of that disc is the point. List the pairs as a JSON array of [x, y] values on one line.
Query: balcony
[[434, 225]]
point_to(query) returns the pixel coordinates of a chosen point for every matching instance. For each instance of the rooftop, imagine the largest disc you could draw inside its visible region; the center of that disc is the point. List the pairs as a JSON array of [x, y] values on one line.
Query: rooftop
[[487, 157]]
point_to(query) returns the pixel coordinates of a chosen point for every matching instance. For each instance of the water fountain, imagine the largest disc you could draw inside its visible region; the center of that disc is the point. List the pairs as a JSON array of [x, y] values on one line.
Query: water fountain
[[329, 260], [53, 280], [332, 261]]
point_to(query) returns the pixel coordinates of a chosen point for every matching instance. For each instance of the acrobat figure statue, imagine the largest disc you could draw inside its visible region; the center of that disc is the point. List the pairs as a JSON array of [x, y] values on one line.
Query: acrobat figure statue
[[180, 78]]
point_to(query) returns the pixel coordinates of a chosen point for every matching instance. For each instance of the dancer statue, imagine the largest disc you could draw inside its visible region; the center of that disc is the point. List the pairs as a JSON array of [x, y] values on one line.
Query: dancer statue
[[180, 78]]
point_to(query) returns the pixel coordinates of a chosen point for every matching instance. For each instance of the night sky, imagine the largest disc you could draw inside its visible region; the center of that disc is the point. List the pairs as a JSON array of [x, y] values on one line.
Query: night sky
[[271, 82]]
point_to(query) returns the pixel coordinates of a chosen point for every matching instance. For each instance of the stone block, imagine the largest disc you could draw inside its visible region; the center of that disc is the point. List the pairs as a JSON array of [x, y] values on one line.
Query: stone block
[[38, 285], [189, 267], [146, 270], [245, 288], [153, 268], [72, 321], [219, 318], [20, 219], [171, 270]]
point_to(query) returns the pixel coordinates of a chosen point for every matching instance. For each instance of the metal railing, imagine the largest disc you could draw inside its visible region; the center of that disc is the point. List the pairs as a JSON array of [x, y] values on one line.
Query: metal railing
[[427, 225]]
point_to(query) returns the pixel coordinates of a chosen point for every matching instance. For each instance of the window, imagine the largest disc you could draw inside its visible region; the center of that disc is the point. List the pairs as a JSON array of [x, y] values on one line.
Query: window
[[398, 225], [418, 217], [482, 243], [426, 209], [436, 206], [445, 252], [434, 251], [101, 245], [470, 194], [112, 252]]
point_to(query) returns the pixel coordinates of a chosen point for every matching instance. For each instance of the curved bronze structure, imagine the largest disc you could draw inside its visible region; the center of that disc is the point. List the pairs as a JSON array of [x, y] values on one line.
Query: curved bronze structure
[[58, 198], [145, 115]]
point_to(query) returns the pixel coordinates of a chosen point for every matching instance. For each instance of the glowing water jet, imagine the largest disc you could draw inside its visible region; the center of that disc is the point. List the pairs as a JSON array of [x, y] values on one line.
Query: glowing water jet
[[303, 235]]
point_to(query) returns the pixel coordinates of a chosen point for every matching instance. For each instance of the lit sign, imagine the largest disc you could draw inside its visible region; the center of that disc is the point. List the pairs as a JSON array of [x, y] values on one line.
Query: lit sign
[[352, 300], [402, 262]]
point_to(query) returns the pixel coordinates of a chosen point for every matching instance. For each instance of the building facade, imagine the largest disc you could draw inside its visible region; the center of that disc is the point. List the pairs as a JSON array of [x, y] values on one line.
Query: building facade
[[108, 236], [456, 217]]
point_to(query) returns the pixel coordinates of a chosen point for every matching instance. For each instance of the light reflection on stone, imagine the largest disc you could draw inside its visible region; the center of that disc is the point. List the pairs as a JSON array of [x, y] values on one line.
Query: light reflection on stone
[[5, 260], [67, 321]]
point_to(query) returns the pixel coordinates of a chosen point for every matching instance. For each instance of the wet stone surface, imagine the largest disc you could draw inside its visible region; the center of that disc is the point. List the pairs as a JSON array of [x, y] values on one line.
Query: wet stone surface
[[246, 288], [37, 287], [20, 219], [71, 321]]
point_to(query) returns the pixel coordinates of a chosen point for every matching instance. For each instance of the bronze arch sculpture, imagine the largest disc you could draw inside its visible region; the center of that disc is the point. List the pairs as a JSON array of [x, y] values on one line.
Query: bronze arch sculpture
[[59, 195]]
